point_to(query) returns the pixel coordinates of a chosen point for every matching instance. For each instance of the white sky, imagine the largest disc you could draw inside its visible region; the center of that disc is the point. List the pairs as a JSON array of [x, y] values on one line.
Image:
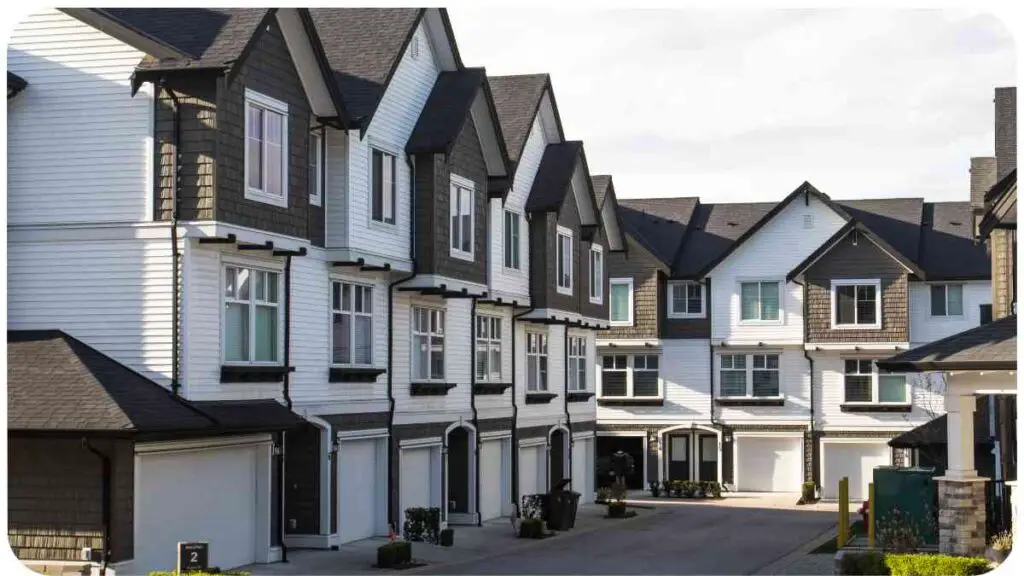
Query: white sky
[[745, 105]]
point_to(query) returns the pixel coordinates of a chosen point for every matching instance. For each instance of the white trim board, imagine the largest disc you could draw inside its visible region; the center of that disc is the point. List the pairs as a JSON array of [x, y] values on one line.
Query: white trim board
[[361, 434], [421, 442]]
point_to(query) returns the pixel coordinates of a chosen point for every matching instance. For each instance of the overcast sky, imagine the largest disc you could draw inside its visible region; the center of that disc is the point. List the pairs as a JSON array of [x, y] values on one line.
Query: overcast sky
[[744, 105]]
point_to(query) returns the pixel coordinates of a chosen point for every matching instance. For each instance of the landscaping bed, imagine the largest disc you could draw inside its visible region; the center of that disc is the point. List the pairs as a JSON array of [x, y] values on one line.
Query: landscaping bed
[[890, 564]]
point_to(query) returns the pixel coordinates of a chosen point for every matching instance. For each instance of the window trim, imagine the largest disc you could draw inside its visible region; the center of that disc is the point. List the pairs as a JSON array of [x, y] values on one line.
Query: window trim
[[456, 185], [232, 263], [874, 385], [877, 283], [580, 358], [316, 199], [255, 99], [630, 370], [670, 305], [945, 291], [748, 368], [611, 283], [332, 311], [561, 232], [386, 223], [412, 342], [599, 250], [546, 354], [782, 301], [518, 246], [489, 340]]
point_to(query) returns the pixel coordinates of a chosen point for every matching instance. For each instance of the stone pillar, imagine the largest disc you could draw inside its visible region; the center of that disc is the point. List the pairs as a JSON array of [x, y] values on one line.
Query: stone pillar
[[962, 516]]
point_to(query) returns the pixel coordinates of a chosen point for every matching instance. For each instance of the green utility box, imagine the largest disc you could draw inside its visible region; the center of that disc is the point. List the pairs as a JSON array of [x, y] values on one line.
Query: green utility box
[[911, 491]]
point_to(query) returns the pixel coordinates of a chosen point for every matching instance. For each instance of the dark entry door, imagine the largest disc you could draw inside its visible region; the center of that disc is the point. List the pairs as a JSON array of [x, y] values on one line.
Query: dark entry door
[[557, 458], [632, 445], [679, 457], [707, 463]]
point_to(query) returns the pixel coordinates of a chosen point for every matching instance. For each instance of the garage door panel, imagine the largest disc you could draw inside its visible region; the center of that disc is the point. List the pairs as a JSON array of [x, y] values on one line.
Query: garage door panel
[[357, 489], [769, 464], [583, 469], [415, 478], [491, 481], [530, 469], [856, 461]]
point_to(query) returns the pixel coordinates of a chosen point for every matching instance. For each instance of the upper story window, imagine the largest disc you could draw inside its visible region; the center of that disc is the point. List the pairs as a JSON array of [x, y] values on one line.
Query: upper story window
[[351, 324], [748, 375], [621, 301], [947, 299], [865, 385], [685, 300], [760, 301], [266, 149], [488, 349], [564, 260], [596, 274], [630, 376], [536, 362], [252, 316], [512, 236], [856, 304], [427, 344], [316, 163], [577, 363], [460, 208], [382, 186]]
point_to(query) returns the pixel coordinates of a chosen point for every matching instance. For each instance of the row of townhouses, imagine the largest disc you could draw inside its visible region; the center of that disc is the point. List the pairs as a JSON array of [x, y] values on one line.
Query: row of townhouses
[[291, 273]]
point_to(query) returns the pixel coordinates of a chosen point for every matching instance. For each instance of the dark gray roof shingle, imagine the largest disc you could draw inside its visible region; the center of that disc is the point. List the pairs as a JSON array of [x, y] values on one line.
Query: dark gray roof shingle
[[991, 346], [550, 184], [445, 111], [601, 184], [240, 415], [517, 99], [658, 224], [897, 221], [948, 249], [934, 432], [15, 84], [712, 231]]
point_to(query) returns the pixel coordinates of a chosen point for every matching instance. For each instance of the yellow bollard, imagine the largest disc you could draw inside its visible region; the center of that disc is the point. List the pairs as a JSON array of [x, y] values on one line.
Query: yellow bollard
[[871, 514], [844, 513]]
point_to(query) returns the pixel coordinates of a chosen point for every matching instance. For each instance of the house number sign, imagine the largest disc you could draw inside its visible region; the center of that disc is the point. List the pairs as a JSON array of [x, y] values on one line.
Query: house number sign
[[193, 557]]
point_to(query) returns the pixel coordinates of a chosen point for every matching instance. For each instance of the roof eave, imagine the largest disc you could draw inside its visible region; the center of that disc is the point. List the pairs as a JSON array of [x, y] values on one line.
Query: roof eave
[[944, 366], [344, 117], [364, 122]]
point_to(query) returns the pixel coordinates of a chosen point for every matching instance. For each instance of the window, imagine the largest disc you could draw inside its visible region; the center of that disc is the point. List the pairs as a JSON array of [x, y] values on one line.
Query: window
[[251, 315], [266, 149], [630, 376], [382, 185], [488, 349], [427, 344], [686, 300], [596, 274], [461, 211], [351, 324], [564, 261], [947, 299], [316, 181], [577, 363], [749, 375], [864, 384], [511, 240], [536, 362], [856, 304], [759, 301], [621, 305]]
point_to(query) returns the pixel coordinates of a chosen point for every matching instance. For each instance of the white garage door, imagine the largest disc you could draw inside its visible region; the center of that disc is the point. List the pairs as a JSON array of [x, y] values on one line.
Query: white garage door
[[583, 469], [856, 462], [492, 479], [359, 505], [415, 479], [769, 464], [204, 495], [531, 467]]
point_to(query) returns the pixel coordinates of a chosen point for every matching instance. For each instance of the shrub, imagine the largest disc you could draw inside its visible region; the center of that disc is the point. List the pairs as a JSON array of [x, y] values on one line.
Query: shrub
[[1002, 541], [422, 524], [531, 528], [666, 487], [618, 493], [617, 510], [869, 563], [394, 554], [447, 537], [690, 489], [879, 563], [808, 493], [713, 490], [533, 505], [677, 488], [898, 532], [655, 488], [603, 494]]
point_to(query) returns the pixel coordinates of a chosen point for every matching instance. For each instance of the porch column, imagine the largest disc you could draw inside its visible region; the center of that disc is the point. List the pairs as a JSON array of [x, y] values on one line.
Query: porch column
[[961, 490]]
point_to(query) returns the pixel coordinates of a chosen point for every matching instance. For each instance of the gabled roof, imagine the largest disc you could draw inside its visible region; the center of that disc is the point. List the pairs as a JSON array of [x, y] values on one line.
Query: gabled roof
[[658, 224], [897, 221], [553, 176], [604, 192], [991, 346], [518, 99], [851, 227], [713, 229], [15, 84]]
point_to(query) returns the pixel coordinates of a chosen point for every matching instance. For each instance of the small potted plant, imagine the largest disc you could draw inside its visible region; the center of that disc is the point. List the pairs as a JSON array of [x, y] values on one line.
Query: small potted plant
[[677, 488], [689, 489], [666, 487], [999, 547], [655, 488], [603, 495]]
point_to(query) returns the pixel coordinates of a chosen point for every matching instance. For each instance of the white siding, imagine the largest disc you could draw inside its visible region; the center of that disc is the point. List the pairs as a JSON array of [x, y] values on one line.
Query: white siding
[[926, 328], [770, 254], [113, 294], [337, 196], [586, 411], [79, 146], [497, 406], [794, 386], [685, 380], [551, 412], [392, 124]]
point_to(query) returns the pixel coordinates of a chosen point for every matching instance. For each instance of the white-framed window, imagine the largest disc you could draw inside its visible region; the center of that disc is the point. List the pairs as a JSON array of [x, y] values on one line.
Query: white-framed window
[[856, 304], [266, 149], [488, 348], [596, 274], [383, 177], [620, 291], [351, 324], [536, 362], [761, 301], [947, 299], [460, 210], [427, 344], [748, 376], [512, 242], [577, 363], [564, 260], [630, 376], [316, 173], [252, 316], [685, 300], [863, 384]]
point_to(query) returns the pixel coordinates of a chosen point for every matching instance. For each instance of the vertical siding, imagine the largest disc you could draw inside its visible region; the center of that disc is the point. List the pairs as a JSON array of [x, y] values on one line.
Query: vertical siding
[[78, 77], [794, 385], [926, 328]]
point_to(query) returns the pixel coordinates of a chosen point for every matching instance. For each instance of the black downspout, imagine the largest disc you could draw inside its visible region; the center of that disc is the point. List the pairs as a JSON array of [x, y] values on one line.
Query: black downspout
[[810, 365], [711, 355], [175, 289], [565, 402], [107, 501], [280, 495], [287, 331], [472, 400], [515, 416]]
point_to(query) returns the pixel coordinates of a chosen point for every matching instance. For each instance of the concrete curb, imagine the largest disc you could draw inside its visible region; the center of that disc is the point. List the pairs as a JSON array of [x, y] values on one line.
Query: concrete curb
[[787, 560]]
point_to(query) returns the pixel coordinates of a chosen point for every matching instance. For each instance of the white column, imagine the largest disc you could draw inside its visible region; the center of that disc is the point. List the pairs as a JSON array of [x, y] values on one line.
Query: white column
[[960, 435]]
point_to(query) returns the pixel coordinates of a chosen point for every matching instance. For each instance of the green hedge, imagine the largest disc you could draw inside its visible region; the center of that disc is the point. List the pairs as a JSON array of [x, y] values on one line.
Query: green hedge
[[881, 564], [394, 554]]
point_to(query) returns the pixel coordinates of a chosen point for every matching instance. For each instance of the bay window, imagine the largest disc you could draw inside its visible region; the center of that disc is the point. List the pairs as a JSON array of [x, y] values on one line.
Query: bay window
[[252, 316], [427, 344], [536, 362], [266, 149], [856, 304], [488, 349], [351, 324]]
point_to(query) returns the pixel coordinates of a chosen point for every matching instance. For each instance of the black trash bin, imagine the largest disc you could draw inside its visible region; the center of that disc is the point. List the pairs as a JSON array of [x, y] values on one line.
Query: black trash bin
[[560, 506]]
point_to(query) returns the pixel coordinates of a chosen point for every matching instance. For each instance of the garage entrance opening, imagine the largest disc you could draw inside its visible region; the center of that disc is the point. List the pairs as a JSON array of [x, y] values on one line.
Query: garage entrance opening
[[459, 471], [557, 455], [632, 445]]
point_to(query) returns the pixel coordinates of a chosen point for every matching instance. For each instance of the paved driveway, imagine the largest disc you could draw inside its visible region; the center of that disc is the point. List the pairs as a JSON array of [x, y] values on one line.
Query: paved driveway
[[737, 536]]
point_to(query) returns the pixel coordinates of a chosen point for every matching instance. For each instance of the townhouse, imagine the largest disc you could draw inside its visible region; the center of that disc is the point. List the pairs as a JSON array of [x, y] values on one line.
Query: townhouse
[[744, 335], [294, 223]]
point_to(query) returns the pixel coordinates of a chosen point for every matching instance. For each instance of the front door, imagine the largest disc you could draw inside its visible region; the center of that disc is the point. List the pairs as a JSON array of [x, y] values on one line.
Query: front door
[[679, 457], [707, 459]]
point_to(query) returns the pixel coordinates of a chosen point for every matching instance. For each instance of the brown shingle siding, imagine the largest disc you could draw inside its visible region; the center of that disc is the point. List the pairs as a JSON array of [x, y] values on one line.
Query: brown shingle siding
[[640, 265], [1001, 245]]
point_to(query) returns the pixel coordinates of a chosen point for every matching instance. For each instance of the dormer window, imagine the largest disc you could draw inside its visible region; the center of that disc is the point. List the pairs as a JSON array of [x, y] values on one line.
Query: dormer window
[[685, 300], [266, 149], [460, 208], [856, 304]]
